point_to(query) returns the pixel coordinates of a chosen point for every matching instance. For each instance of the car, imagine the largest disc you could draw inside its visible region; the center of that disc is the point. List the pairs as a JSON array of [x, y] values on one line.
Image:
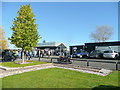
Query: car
[[80, 54], [96, 54], [111, 54]]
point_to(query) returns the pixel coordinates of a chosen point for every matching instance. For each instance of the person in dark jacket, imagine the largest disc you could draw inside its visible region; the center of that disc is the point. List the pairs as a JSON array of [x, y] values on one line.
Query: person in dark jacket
[[3, 55]]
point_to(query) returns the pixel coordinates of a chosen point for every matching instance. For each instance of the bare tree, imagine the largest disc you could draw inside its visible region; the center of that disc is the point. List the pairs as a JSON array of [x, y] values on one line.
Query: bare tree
[[101, 34]]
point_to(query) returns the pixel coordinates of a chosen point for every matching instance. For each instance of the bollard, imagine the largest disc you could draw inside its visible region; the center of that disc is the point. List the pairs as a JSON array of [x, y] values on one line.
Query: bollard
[[51, 60], [116, 65], [87, 63], [39, 58]]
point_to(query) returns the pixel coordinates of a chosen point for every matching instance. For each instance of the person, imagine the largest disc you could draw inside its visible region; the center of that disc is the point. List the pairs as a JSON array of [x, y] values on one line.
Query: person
[[11, 55], [19, 53], [65, 53], [38, 51], [48, 53], [29, 56], [26, 54], [16, 54], [3, 55], [6, 56], [42, 53], [35, 53]]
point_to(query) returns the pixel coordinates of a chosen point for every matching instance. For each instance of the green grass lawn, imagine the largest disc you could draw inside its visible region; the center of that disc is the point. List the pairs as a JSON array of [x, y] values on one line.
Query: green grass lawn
[[12, 64], [59, 78]]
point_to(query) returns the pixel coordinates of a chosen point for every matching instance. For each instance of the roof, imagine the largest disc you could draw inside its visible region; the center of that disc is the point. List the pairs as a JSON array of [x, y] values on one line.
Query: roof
[[49, 44], [77, 45], [113, 42]]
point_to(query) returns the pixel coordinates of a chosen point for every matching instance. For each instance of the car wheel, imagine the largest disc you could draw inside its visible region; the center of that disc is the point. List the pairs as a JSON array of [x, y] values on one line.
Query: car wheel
[[96, 56], [100, 56], [116, 57], [85, 56]]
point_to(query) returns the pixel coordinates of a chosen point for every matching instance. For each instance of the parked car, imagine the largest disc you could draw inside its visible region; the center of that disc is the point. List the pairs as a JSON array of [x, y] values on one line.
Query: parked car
[[80, 54], [111, 54], [96, 54]]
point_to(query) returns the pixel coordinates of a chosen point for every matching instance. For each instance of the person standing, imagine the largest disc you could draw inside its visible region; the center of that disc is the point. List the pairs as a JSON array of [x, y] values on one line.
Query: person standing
[[19, 54], [3, 55], [29, 56], [42, 51], [35, 53], [48, 53], [26, 54]]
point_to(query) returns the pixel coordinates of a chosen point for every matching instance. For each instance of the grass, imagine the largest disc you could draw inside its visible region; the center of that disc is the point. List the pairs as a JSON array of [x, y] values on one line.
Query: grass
[[59, 78], [12, 64]]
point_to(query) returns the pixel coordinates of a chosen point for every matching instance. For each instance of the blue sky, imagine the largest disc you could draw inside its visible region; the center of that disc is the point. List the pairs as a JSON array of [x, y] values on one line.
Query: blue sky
[[67, 22]]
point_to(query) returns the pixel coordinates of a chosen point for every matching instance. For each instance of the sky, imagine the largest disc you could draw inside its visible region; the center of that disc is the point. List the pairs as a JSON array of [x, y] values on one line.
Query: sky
[[67, 22]]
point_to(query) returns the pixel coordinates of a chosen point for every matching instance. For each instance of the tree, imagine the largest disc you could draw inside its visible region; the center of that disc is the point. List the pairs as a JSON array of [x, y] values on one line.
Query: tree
[[25, 34], [101, 34], [3, 41]]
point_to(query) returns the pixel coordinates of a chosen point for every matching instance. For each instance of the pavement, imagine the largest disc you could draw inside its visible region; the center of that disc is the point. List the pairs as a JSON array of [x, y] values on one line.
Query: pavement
[[12, 71]]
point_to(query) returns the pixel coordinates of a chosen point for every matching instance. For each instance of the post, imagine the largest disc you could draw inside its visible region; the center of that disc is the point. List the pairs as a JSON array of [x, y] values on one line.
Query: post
[[87, 63], [23, 57], [39, 58], [51, 60], [116, 65]]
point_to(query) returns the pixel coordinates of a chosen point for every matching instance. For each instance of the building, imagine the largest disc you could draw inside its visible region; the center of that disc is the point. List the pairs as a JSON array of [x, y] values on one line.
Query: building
[[52, 46], [76, 48], [97, 46], [103, 46]]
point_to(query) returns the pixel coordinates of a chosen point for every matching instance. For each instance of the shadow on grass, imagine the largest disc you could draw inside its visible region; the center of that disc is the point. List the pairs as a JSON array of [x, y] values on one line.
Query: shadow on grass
[[104, 87]]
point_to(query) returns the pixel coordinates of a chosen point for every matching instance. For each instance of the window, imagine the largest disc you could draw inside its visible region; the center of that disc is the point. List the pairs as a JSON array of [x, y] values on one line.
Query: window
[[108, 51]]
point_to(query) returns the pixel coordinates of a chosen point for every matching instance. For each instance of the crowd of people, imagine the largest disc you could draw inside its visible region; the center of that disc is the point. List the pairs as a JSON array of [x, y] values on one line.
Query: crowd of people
[[12, 55], [9, 55]]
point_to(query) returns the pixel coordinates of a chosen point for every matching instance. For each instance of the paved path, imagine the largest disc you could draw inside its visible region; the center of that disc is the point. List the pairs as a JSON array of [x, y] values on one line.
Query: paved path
[[12, 71]]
